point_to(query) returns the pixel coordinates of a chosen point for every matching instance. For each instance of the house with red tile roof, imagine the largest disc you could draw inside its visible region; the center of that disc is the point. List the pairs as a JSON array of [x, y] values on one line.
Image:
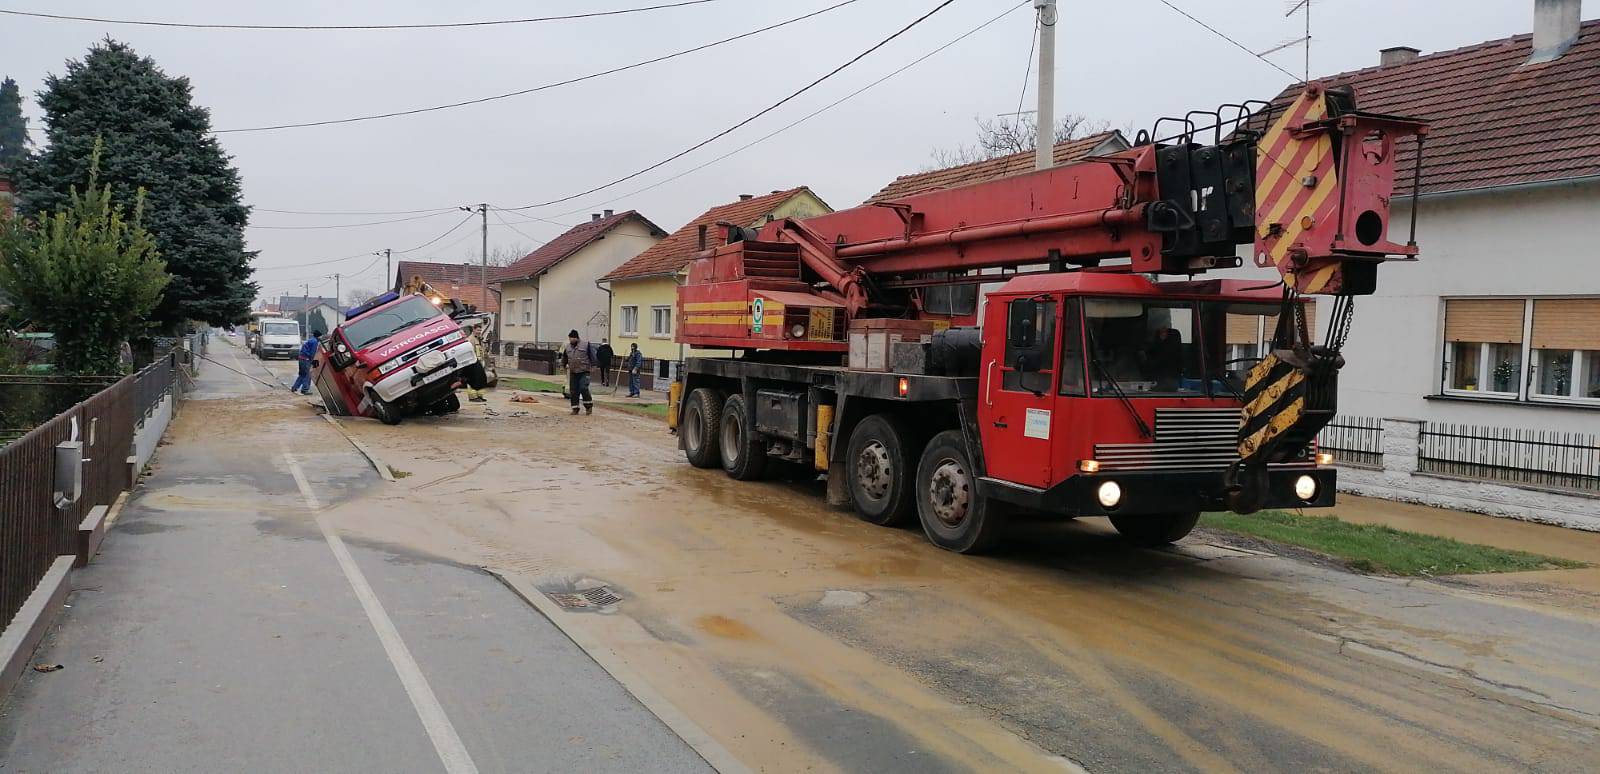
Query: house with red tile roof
[[999, 166], [1497, 325], [644, 291], [462, 281], [553, 289]]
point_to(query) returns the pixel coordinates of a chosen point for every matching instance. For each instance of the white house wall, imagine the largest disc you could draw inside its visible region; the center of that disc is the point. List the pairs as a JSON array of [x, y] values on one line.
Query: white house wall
[[570, 297]]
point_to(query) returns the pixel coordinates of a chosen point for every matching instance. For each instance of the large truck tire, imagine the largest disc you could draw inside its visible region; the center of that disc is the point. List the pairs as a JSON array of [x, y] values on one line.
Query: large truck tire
[[879, 465], [386, 412], [1153, 530], [701, 427], [449, 404], [744, 454], [954, 515]]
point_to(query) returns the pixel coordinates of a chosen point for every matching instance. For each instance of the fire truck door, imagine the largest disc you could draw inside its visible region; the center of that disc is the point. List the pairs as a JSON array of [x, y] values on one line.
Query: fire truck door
[[1019, 372]]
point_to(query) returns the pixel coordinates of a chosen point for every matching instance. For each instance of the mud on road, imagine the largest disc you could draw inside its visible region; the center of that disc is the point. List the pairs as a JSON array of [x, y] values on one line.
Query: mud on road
[[802, 639]]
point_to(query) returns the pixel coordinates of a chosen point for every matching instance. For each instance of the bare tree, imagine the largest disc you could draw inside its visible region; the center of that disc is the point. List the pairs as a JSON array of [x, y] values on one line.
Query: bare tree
[[1009, 135], [499, 255], [358, 296]]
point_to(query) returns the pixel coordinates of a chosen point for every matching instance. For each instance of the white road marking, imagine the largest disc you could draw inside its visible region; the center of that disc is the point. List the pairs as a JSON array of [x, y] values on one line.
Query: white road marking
[[452, 753]]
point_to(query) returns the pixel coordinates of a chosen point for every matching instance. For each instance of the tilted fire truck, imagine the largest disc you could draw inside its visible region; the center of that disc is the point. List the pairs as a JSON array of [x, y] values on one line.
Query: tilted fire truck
[[1090, 389]]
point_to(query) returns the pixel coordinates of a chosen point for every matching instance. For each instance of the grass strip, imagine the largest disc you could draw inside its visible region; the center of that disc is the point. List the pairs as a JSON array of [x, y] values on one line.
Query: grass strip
[[1374, 548]]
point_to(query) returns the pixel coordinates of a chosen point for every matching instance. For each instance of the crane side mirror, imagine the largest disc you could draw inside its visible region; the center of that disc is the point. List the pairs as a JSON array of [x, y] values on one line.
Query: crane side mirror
[[1024, 324]]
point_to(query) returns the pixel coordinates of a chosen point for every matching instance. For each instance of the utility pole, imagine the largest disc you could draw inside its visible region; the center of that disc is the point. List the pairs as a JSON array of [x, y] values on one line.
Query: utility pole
[[305, 301], [483, 212], [388, 271], [1045, 137], [336, 296]]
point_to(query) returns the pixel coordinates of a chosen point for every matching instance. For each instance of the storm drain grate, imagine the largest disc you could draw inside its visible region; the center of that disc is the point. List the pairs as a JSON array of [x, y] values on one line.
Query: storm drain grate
[[598, 597]]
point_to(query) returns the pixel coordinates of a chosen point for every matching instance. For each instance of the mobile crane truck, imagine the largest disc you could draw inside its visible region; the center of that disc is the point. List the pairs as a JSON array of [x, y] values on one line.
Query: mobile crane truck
[[1091, 389]]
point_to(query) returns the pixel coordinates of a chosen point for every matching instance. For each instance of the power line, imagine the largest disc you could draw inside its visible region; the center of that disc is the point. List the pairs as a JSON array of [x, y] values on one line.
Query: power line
[[351, 212], [1027, 71], [805, 118], [507, 224], [1219, 34], [350, 225], [774, 106], [327, 262], [348, 27], [437, 238], [544, 87]]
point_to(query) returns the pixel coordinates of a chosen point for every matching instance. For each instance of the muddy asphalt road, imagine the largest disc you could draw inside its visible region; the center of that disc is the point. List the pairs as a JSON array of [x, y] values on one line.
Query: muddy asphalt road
[[800, 639]]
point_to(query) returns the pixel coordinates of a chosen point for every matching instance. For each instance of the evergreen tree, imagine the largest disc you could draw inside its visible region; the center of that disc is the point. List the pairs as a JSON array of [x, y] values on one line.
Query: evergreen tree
[[13, 127], [155, 139], [87, 272]]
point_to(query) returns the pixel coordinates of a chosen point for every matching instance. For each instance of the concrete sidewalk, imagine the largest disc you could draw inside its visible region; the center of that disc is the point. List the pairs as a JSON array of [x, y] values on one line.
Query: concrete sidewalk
[[228, 626]]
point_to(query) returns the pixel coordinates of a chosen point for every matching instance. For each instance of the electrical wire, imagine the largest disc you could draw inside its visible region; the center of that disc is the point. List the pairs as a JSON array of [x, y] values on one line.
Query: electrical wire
[[320, 262], [349, 225], [439, 237], [544, 87], [1236, 43], [1027, 71], [350, 212], [805, 118], [350, 27], [507, 224], [774, 106]]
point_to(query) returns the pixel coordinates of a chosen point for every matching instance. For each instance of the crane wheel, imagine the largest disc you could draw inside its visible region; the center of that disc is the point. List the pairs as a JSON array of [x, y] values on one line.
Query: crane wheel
[[1158, 529], [879, 468], [744, 454], [701, 427], [954, 515]]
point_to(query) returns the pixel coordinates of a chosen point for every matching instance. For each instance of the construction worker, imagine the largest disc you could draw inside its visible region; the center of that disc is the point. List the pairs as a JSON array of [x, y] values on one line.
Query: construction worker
[[580, 358], [306, 356], [631, 363], [474, 395]]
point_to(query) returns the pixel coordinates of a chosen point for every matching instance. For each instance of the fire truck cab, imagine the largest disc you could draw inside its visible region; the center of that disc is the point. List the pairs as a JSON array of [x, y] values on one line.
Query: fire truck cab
[[396, 356]]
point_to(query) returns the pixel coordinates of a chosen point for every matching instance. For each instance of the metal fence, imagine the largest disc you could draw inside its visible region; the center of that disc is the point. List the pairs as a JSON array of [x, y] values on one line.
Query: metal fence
[[33, 530], [1540, 458], [1354, 441]]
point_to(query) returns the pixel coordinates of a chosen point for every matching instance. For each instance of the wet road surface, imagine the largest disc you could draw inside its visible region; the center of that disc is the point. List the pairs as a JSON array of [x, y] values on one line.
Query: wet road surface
[[226, 626], [803, 639]]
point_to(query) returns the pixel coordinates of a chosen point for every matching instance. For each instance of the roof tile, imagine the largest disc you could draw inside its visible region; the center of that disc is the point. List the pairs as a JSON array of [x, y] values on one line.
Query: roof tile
[[569, 243], [673, 253], [990, 169], [462, 281]]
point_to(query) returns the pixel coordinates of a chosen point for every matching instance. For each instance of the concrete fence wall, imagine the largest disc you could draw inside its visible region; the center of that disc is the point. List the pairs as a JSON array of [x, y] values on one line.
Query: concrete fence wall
[[1401, 478]]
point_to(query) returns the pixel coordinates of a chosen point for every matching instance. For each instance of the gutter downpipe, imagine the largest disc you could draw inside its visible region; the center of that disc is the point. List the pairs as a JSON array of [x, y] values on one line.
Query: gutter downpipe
[[609, 301]]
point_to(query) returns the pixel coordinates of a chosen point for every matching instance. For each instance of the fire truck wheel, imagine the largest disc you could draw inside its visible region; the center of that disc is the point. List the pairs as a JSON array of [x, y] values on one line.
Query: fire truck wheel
[[744, 453], [879, 467], [954, 516], [449, 404], [385, 411], [1153, 530], [702, 421]]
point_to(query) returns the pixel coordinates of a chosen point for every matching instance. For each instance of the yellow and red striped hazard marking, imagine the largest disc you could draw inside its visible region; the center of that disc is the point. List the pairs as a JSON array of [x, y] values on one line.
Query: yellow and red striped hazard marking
[[1283, 163]]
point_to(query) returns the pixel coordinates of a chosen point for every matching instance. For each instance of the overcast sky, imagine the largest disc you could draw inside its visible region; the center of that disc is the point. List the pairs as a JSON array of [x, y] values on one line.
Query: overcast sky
[[1126, 62]]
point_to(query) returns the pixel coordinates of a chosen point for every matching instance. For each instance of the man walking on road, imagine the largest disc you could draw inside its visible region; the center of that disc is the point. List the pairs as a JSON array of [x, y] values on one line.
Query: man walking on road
[[580, 357], [603, 357], [632, 363], [308, 353]]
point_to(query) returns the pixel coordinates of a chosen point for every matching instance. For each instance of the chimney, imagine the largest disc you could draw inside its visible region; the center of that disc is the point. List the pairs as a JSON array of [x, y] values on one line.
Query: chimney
[[594, 216], [746, 197], [702, 236], [1396, 55], [1555, 28], [608, 213]]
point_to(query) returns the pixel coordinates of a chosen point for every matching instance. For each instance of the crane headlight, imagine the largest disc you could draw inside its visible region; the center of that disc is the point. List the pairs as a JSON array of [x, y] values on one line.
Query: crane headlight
[[1305, 488], [1109, 494]]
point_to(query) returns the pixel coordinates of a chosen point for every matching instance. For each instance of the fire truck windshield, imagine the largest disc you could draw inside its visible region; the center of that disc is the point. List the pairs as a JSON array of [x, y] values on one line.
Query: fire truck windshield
[[379, 325]]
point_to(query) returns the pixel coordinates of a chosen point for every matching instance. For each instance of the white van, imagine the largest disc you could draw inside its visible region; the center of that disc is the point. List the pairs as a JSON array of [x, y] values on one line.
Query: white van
[[279, 337]]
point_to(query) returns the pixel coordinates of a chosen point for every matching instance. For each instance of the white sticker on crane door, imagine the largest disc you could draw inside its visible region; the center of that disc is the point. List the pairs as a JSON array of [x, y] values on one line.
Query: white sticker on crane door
[[1037, 424]]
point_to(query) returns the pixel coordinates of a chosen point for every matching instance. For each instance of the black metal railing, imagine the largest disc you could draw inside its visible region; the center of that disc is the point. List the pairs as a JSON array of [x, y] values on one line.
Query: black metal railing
[[1541, 458], [1354, 441], [34, 530]]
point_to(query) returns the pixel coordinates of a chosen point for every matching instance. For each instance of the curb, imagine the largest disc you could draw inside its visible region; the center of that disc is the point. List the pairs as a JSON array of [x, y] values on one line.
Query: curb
[[23, 634], [377, 463], [709, 750]]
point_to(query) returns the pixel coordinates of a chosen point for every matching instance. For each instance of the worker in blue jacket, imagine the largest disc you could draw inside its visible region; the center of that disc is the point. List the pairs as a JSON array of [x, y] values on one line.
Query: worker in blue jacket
[[308, 354]]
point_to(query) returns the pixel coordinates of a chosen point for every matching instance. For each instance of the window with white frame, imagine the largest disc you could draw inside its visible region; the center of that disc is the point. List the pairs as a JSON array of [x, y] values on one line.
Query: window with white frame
[[511, 311], [1483, 346], [661, 321], [1529, 349], [527, 311], [1565, 349], [630, 321]]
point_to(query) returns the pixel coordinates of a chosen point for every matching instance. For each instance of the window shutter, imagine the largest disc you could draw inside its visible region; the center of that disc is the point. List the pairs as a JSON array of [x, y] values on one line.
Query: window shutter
[[1566, 323], [1489, 320], [1242, 329], [1271, 325]]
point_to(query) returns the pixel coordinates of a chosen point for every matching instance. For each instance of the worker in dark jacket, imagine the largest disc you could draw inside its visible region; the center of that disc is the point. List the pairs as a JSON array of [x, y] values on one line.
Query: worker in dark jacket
[[631, 363], [580, 358], [308, 353], [603, 357]]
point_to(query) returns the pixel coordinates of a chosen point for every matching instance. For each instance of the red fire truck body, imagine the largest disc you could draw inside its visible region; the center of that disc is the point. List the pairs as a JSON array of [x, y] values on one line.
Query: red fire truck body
[[1089, 389]]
